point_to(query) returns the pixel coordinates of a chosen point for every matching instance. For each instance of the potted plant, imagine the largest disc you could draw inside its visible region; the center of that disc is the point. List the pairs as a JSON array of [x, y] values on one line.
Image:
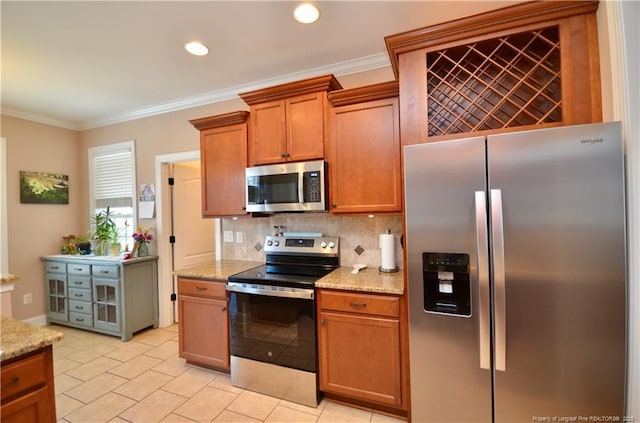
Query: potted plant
[[104, 227], [114, 241]]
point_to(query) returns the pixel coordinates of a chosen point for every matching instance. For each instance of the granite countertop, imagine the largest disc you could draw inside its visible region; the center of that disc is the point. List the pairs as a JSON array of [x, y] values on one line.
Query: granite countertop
[[91, 257], [219, 270], [10, 278], [368, 280], [18, 338]]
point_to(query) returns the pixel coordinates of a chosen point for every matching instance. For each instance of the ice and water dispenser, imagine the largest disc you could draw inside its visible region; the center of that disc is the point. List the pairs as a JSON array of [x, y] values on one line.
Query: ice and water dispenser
[[447, 287]]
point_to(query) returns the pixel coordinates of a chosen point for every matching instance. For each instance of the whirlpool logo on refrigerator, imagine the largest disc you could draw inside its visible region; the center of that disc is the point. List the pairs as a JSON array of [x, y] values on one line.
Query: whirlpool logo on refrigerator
[[591, 141]]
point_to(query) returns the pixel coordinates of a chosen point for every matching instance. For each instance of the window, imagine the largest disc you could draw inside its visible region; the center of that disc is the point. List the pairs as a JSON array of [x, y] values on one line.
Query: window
[[112, 183]]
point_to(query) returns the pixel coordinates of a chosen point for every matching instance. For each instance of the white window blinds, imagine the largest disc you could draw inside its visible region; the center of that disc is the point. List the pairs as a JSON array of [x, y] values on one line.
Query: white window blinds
[[113, 183], [112, 176]]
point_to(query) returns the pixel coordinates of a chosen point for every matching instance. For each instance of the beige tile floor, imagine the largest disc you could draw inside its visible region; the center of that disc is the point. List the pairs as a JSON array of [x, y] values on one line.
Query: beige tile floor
[[99, 378]]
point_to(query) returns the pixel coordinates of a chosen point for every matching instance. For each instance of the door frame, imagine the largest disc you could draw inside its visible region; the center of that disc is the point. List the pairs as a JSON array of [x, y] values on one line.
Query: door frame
[[163, 229]]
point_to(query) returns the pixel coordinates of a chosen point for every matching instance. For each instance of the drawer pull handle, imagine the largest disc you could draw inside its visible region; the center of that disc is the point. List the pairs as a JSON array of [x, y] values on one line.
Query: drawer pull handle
[[224, 309], [104, 272], [77, 282], [77, 269], [79, 308], [78, 295], [14, 381], [201, 288], [358, 305], [78, 319]]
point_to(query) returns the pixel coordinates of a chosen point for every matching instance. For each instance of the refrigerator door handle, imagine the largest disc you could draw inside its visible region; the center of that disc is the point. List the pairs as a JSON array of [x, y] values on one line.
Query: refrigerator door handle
[[482, 245], [497, 235]]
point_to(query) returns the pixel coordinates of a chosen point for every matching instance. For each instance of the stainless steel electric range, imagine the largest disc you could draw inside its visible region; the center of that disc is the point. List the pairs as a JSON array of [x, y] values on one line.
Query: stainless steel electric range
[[272, 318]]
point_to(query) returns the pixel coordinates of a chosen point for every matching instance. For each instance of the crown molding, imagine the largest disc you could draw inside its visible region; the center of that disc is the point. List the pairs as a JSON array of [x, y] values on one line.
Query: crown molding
[[362, 64], [8, 111]]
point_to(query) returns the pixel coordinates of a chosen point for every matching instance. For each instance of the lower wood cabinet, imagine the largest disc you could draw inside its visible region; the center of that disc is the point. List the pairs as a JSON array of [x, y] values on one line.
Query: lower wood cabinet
[[203, 322], [27, 393], [359, 341]]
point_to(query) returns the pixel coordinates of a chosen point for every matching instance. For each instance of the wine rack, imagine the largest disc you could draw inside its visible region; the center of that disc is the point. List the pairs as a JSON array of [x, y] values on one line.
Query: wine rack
[[503, 82]]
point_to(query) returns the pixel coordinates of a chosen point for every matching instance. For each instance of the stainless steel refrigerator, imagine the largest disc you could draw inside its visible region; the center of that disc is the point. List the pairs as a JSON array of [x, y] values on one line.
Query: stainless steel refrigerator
[[517, 277]]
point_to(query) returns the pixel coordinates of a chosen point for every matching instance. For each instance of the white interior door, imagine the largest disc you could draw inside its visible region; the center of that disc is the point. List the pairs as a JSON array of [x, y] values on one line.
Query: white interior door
[[195, 236]]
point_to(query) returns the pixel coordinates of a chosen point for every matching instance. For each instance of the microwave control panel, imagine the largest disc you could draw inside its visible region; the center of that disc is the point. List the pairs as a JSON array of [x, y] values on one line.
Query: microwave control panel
[[312, 184]]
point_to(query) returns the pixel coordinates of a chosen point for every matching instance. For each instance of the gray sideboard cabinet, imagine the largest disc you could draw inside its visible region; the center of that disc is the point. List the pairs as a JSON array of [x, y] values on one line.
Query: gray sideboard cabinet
[[101, 293]]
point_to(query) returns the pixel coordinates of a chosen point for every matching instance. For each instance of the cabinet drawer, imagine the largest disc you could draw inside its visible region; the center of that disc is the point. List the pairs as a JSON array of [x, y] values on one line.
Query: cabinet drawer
[[23, 375], [79, 282], [55, 267], [80, 307], [105, 271], [81, 319], [78, 269], [202, 288], [79, 294], [380, 305]]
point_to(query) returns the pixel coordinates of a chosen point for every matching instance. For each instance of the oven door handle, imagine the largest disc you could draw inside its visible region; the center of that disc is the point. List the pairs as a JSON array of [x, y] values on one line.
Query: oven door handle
[[271, 291]]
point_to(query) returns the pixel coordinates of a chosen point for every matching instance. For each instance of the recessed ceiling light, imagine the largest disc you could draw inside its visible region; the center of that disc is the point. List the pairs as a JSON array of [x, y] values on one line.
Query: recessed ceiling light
[[196, 48], [306, 13]]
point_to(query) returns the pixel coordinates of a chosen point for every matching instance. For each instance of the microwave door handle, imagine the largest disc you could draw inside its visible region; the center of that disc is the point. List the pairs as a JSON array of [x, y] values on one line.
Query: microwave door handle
[[301, 187]]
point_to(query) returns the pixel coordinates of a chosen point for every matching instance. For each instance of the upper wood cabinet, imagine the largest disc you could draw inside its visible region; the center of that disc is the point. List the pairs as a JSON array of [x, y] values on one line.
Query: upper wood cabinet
[[531, 64], [223, 159], [287, 121], [364, 150]]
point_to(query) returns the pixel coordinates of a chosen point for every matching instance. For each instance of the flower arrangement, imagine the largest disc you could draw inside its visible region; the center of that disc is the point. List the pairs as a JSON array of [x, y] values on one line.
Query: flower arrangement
[[142, 235]]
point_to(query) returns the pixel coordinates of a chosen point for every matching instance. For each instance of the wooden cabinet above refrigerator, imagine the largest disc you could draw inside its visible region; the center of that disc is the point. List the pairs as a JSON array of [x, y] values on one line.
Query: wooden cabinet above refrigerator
[[528, 65]]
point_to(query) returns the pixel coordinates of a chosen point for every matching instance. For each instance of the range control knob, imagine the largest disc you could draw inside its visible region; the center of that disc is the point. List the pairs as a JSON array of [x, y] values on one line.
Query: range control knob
[[323, 244], [276, 243], [269, 243], [332, 244]]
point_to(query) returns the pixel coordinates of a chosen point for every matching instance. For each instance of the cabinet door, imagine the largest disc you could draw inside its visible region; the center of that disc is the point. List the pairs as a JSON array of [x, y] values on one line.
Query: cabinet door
[[267, 138], [360, 357], [34, 407], [57, 301], [106, 304], [223, 155], [305, 127], [204, 331], [365, 158]]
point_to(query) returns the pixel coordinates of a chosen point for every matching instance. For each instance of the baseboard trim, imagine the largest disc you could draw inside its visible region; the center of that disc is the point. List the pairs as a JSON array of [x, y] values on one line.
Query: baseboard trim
[[37, 321]]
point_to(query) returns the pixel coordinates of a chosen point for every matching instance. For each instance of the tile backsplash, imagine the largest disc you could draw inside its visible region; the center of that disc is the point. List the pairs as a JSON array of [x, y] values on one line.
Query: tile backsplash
[[359, 235]]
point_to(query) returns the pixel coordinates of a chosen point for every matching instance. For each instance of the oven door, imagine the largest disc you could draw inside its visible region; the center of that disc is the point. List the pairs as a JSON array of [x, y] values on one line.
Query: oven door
[[273, 325]]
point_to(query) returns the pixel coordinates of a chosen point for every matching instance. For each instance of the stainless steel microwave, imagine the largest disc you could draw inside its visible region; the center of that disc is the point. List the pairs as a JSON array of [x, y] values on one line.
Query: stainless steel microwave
[[287, 187]]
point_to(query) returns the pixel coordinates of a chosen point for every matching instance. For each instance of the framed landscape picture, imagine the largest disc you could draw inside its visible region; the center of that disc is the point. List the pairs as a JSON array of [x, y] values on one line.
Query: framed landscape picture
[[44, 188]]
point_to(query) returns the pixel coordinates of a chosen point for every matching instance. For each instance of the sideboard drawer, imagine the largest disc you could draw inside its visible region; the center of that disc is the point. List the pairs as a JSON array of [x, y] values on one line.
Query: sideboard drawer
[[55, 267], [105, 271], [80, 307], [78, 269], [79, 294], [81, 319], [79, 282]]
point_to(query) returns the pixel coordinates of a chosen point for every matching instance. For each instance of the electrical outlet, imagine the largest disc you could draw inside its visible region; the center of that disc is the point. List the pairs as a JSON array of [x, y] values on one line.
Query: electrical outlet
[[26, 299], [228, 236], [239, 237]]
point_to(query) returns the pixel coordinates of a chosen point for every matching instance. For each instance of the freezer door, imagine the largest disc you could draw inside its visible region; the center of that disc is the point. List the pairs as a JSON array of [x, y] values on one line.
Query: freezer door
[[562, 349], [441, 181]]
